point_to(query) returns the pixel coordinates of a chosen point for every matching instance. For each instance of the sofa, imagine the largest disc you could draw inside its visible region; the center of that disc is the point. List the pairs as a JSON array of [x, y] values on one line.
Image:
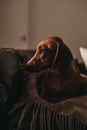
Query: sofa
[[21, 107]]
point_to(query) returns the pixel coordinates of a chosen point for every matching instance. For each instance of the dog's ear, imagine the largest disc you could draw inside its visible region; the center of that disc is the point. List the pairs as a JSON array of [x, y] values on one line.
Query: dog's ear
[[64, 56]]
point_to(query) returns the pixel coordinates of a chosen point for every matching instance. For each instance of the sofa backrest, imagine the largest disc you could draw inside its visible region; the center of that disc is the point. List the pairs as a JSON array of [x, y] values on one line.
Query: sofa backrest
[[11, 74]]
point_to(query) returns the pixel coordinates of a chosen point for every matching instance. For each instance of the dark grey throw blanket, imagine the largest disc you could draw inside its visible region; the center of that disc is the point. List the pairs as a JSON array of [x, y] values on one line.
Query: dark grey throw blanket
[[38, 114], [34, 113]]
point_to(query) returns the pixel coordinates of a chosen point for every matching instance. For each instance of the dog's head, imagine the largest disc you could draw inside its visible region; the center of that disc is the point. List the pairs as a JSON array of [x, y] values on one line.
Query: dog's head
[[51, 52]]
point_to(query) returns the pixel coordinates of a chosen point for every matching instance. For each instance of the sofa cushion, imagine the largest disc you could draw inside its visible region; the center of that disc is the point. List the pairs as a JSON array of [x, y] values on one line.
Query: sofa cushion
[[11, 79], [10, 73], [83, 52]]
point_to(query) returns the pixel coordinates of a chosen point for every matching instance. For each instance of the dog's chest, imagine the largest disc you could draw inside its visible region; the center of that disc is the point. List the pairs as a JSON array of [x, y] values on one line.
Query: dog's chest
[[53, 83]]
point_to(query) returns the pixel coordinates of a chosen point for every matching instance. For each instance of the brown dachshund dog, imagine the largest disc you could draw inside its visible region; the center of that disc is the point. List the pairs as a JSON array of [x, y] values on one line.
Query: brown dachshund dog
[[61, 77]]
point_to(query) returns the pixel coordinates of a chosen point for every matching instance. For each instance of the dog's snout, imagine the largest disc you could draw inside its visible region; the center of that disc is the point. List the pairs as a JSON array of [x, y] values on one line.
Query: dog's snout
[[30, 65], [31, 62]]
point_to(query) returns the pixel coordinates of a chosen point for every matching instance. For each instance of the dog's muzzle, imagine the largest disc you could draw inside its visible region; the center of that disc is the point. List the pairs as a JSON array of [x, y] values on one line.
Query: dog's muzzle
[[30, 65], [36, 66]]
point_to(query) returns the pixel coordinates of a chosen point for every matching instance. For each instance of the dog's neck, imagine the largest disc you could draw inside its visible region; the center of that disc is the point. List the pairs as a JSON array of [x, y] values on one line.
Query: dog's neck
[[58, 70]]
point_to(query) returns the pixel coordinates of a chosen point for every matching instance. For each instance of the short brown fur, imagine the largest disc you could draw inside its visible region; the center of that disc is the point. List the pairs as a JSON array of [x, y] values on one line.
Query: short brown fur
[[61, 76]]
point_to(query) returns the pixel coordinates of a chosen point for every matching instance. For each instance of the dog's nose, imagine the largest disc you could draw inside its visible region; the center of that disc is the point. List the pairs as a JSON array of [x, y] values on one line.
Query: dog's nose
[[29, 67]]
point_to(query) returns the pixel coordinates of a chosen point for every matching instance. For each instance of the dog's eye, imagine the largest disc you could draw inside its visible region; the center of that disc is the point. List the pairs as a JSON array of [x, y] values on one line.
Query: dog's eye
[[42, 51]]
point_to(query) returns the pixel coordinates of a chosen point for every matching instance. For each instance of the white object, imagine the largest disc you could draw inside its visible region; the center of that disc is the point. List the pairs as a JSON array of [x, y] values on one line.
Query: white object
[[83, 52]]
